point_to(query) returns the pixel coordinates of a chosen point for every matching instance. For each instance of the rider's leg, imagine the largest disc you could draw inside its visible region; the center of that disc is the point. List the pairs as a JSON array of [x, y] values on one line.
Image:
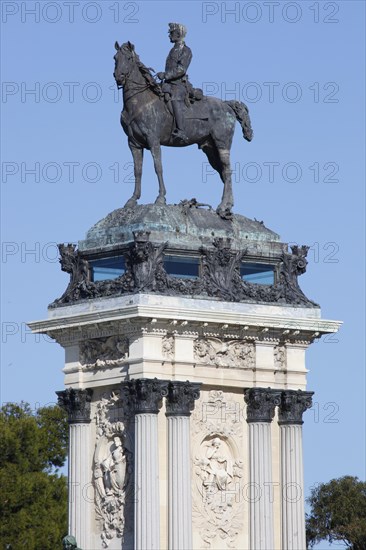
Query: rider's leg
[[179, 119]]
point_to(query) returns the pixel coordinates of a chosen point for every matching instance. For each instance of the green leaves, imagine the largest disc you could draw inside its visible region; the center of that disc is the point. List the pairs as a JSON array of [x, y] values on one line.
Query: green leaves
[[338, 513], [33, 501]]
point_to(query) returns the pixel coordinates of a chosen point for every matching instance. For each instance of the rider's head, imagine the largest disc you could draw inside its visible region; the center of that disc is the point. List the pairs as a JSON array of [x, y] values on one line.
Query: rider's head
[[177, 32]]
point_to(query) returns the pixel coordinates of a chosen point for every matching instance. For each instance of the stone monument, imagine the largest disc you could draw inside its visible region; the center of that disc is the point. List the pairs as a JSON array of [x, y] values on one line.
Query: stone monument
[[185, 332]]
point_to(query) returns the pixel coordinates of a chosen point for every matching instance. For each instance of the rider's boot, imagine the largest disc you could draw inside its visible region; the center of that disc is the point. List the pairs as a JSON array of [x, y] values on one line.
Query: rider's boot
[[179, 132]]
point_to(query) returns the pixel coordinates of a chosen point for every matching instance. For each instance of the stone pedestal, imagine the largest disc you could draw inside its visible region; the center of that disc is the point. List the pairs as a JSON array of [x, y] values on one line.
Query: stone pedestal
[[172, 310]]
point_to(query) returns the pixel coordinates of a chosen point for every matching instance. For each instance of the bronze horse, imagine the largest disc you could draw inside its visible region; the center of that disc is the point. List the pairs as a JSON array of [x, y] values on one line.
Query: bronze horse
[[149, 123]]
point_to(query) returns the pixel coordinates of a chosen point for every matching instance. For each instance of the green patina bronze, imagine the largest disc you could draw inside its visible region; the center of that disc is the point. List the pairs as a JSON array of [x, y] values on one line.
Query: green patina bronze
[[69, 543]]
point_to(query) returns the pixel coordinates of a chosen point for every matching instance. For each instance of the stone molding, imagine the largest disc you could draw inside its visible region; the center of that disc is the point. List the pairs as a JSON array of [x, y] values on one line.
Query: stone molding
[[181, 397], [293, 405], [261, 404], [76, 402], [146, 394]]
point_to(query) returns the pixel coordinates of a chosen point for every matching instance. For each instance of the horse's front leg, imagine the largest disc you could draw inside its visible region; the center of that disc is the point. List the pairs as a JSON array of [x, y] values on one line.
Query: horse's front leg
[[156, 154], [227, 200], [137, 154]]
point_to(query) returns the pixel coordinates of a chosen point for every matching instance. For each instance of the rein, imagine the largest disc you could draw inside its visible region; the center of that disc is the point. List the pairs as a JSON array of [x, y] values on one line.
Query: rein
[[135, 91]]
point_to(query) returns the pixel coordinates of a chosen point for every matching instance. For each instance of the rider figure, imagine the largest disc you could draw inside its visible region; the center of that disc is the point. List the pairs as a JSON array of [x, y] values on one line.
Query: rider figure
[[175, 75]]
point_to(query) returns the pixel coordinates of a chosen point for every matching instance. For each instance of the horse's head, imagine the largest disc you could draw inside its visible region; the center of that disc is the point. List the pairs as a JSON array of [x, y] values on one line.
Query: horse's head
[[124, 60]]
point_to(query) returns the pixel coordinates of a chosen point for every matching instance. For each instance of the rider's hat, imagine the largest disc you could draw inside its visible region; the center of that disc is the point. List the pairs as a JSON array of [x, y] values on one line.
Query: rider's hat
[[177, 26]]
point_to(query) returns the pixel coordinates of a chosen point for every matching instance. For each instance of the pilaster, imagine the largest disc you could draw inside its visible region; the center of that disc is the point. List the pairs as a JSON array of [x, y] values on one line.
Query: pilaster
[[261, 405], [146, 398], [293, 405], [76, 402], [179, 404]]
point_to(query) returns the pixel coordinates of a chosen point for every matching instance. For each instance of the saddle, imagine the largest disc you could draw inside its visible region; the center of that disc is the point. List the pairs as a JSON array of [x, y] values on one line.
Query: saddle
[[193, 94]]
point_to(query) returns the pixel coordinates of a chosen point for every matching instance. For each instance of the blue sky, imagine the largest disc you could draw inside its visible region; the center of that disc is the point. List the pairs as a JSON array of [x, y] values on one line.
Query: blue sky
[[299, 66]]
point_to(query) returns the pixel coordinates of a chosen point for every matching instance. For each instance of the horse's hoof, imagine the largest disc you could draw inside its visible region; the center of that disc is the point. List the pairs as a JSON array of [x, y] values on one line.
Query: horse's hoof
[[130, 203], [160, 200], [224, 212]]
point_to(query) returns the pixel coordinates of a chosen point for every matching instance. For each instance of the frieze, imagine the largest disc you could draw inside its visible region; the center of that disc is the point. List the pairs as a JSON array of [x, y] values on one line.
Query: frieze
[[168, 347], [221, 353], [280, 357], [219, 276], [103, 352]]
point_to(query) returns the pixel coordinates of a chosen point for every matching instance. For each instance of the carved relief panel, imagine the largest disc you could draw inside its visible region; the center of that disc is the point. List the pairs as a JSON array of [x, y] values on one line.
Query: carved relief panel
[[113, 469], [280, 357], [225, 353], [217, 473], [103, 352]]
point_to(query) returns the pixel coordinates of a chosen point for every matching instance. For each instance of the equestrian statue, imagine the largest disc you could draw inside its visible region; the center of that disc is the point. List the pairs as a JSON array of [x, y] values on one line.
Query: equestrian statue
[[166, 109]]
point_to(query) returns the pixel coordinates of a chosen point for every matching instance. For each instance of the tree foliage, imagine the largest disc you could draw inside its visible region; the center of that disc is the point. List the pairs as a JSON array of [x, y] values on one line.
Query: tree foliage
[[33, 495], [338, 513]]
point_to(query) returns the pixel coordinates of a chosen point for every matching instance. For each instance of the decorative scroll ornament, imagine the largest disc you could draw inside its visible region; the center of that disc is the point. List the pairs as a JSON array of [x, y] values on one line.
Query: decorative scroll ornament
[[218, 470], [181, 397], [219, 275], [291, 267], [113, 469], [145, 263], [261, 404], [167, 347], [280, 357], [221, 270], [103, 352], [76, 403], [293, 405], [220, 353], [80, 286]]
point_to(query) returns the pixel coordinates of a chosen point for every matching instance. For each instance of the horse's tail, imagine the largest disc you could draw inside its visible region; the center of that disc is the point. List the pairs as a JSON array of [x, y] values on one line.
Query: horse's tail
[[242, 115]]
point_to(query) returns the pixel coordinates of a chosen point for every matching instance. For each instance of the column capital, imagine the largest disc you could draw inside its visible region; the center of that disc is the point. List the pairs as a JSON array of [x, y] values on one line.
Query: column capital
[[76, 402], [293, 404], [181, 397], [146, 394], [261, 403]]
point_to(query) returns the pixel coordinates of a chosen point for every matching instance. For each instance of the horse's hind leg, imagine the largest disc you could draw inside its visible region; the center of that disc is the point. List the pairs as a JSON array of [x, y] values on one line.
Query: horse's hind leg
[[156, 154], [227, 200], [137, 154]]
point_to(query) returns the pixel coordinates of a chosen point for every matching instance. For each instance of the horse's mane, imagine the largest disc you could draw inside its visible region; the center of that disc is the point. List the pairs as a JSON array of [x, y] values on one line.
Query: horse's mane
[[150, 80]]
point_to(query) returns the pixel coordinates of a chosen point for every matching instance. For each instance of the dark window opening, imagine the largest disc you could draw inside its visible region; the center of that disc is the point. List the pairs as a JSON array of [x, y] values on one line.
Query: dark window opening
[[257, 273], [180, 266], [104, 269]]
